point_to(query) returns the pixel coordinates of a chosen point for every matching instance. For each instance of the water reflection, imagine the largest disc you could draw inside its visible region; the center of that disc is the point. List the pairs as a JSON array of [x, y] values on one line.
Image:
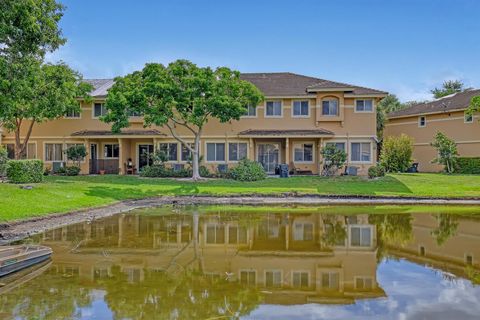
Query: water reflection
[[206, 262]]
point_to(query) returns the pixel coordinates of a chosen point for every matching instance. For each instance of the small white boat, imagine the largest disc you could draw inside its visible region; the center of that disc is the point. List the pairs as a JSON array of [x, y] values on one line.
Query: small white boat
[[15, 258]]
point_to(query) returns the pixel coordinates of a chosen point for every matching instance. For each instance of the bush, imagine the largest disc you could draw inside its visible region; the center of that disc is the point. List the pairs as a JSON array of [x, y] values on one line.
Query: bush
[[447, 152], [3, 161], [247, 170], [25, 171], [161, 171], [333, 159], [376, 171], [68, 171], [76, 153], [396, 153], [468, 165]]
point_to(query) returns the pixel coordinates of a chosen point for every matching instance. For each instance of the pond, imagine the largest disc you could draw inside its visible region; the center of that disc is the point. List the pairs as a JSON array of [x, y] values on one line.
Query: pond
[[225, 262]]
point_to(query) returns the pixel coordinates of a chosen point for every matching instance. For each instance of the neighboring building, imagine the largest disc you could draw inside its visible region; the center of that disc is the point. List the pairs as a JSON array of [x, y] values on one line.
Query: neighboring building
[[447, 115], [299, 115]]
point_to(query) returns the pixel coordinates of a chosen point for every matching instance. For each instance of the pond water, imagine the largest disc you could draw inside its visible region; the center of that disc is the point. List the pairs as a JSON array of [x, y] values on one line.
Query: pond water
[[257, 263]]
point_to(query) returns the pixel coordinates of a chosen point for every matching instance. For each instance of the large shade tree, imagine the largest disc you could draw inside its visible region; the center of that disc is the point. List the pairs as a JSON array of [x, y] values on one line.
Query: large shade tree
[[180, 95], [30, 90]]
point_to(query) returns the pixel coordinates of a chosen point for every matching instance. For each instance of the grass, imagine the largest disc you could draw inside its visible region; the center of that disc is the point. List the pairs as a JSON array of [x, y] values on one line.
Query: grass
[[63, 194]]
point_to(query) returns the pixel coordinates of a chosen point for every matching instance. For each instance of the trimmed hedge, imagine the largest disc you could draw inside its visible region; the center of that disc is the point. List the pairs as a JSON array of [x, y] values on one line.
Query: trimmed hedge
[[468, 165], [25, 171], [376, 171], [160, 171], [248, 170], [68, 171]]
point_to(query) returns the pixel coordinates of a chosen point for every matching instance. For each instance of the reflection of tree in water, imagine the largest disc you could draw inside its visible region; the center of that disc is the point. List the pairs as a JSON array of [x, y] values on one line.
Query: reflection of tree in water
[[189, 295], [392, 230], [50, 296], [447, 227], [335, 231]]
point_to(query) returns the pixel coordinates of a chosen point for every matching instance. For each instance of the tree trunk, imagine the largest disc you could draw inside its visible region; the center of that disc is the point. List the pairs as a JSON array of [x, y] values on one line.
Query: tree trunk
[[196, 158], [19, 146]]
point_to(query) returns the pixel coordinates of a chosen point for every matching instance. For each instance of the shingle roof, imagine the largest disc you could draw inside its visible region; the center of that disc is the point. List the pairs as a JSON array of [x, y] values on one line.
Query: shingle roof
[[286, 133], [284, 84], [449, 103], [291, 84], [88, 133]]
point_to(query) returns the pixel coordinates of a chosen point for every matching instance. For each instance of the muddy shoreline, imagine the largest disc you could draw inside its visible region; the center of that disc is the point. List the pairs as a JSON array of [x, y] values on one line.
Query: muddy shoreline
[[18, 230]]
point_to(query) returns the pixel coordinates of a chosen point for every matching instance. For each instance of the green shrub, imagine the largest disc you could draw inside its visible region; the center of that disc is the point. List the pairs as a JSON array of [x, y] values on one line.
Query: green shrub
[[204, 172], [247, 170], [396, 153], [25, 171], [376, 171], [467, 165], [68, 171], [3, 161], [154, 171]]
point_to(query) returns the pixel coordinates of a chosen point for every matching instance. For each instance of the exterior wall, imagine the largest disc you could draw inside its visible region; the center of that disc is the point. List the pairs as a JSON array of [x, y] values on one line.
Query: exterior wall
[[466, 135], [349, 126]]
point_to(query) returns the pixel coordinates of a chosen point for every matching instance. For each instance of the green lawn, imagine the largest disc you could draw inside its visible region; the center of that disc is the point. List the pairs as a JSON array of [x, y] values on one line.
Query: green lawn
[[62, 194]]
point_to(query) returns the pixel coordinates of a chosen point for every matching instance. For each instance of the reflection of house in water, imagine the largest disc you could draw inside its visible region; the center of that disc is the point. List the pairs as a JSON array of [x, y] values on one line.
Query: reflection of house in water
[[444, 241], [295, 259]]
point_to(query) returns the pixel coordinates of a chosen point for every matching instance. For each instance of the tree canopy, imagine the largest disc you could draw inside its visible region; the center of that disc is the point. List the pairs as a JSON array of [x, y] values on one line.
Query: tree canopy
[[30, 27], [388, 104], [448, 87], [180, 95]]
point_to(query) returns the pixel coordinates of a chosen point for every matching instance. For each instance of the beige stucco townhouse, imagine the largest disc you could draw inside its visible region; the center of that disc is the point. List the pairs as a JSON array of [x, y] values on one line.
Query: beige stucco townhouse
[[299, 115], [447, 115]]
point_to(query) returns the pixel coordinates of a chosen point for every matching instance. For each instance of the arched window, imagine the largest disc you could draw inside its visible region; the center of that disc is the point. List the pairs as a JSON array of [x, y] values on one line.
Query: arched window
[[330, 107]]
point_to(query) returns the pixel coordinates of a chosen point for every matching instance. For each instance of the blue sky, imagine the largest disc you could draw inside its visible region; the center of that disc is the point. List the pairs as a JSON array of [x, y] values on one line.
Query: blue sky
[[405, 47]]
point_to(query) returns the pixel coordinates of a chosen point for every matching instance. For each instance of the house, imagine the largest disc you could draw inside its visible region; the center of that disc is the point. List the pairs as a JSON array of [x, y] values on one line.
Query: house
[[447, 115], [299, 115]]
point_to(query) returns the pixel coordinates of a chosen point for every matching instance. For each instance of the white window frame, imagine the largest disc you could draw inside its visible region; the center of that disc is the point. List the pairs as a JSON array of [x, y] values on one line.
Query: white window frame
[[216, 161], [350, 153], [237, 143], [301, 271], [216, 226], [191, 144], [93, 109], [338, 107], [168, 143], [303, 224], [302, 144], [250, 116], [344, 142], [69, 117], [110, 144], [329, 280], [420, 121], [273, 271], [355, 278], [465, 116], [364, 111], [45, 152], [360, 226], [300, 115], [26, 150], [274, 116]]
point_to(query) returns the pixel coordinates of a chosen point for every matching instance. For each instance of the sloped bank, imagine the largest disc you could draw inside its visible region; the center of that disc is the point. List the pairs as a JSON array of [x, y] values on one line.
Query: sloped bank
[[18, 230]]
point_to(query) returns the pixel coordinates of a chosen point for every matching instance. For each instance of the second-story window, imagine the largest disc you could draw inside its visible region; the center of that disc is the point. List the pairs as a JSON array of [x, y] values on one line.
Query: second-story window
[[364, 105], [330, 107], [273, 109], [72, 114], [99, 110], [422, 121], [132, 113], [251, 111], [300, 108], [468, 118]]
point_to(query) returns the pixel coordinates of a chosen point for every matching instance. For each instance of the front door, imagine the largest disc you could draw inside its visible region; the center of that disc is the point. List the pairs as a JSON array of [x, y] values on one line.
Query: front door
[[268, 156], [93, 159], [144, 155]]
